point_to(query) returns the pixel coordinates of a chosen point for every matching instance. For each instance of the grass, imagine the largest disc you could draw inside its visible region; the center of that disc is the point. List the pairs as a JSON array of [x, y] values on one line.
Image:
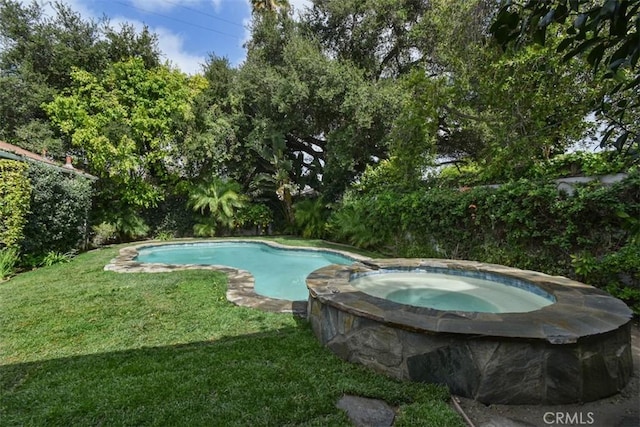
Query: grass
[[81, 346]]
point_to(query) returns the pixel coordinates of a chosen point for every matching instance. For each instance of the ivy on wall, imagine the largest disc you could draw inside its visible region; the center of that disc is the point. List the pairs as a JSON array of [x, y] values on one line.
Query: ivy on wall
[[15, 192]]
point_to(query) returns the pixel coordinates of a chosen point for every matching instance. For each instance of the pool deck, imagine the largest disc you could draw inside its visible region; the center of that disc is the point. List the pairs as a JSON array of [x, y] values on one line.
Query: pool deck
[[240, 285]]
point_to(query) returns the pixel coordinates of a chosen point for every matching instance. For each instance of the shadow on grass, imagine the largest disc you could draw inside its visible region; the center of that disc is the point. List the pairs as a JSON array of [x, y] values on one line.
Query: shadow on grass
[[280, 377]]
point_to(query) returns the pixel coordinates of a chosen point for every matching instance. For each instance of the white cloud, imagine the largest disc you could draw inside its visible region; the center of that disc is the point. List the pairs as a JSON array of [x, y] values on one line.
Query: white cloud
[[172, 46]]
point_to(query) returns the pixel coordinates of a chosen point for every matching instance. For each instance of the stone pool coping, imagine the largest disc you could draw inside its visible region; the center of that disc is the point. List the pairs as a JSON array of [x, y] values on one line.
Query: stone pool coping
[[240, 283], [580, 310]]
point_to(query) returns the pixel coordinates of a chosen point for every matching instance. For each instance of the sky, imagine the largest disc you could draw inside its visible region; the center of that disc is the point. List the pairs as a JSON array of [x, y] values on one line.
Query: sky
[[188, 30]]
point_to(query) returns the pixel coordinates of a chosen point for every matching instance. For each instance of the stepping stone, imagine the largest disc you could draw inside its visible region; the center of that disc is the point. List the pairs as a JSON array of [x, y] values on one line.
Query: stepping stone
[[364, 412], [498, 421]]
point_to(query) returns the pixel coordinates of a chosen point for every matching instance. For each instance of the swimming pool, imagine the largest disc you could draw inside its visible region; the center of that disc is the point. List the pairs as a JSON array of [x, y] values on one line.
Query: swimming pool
[[279, 272]]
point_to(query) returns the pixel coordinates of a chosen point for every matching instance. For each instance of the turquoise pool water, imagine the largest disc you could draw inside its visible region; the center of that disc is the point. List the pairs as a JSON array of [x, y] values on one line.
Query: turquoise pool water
[[279, 273], [450, 292]]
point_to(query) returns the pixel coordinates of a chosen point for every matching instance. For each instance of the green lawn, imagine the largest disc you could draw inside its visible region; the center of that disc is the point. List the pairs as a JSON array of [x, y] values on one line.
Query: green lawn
[[81, 346]]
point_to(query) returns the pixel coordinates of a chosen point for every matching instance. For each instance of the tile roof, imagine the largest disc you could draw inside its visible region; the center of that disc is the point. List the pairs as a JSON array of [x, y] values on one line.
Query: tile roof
[[10, 148], [29, 155]]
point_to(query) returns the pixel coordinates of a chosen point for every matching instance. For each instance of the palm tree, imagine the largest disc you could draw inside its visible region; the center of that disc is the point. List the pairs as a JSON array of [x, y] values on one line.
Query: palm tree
[[219, 200]]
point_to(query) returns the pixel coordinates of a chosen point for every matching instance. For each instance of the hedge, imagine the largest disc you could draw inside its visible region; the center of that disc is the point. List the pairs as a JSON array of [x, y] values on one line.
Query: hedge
[[58, 221], [592, 235]]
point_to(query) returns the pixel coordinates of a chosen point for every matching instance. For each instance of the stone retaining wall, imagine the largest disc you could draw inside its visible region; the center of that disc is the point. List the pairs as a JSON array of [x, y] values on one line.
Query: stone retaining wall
[[577, 349]]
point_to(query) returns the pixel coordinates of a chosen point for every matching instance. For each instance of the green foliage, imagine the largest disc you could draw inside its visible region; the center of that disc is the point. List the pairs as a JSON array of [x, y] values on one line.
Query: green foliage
[[130, 225], [414, 131], [606, 35], [40, 47], [124, 120], [38, 137], [218, 201], [207, 227], [164, 236], [256, 215], [53, 258], [171, 217], [527, 224], [15, 193], [104, 233], [617, 272], [459, 175], [295, 100], [8, 260], [607, 32], [631, 224], [530, 106], [351, 223], [60, 205], [389, 37], [269, 6], [311, 217], [580, 163]]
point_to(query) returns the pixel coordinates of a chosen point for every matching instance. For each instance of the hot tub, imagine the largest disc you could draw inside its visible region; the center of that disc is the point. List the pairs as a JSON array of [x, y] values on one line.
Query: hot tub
[[572, 345]]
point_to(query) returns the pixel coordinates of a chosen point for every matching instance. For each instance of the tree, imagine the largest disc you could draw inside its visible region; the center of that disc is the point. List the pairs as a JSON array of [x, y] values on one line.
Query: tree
[[48, 46], [384, 38], [37, 54], [330, 118], [468, 101], [608, 34], [124, 123], [528, 106], [209, 144], [127, 43], [269, 6]]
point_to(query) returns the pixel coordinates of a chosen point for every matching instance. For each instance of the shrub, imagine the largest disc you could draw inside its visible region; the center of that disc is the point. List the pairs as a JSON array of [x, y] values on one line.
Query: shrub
[[15, 193], [255, 215], [618, 272], [164, 236], [171, 217], [52, 258], [218, 201], [311, 218], [58, 220], [579, 163], [8, 261], [104, 233], [130, 225], [352, 223]]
